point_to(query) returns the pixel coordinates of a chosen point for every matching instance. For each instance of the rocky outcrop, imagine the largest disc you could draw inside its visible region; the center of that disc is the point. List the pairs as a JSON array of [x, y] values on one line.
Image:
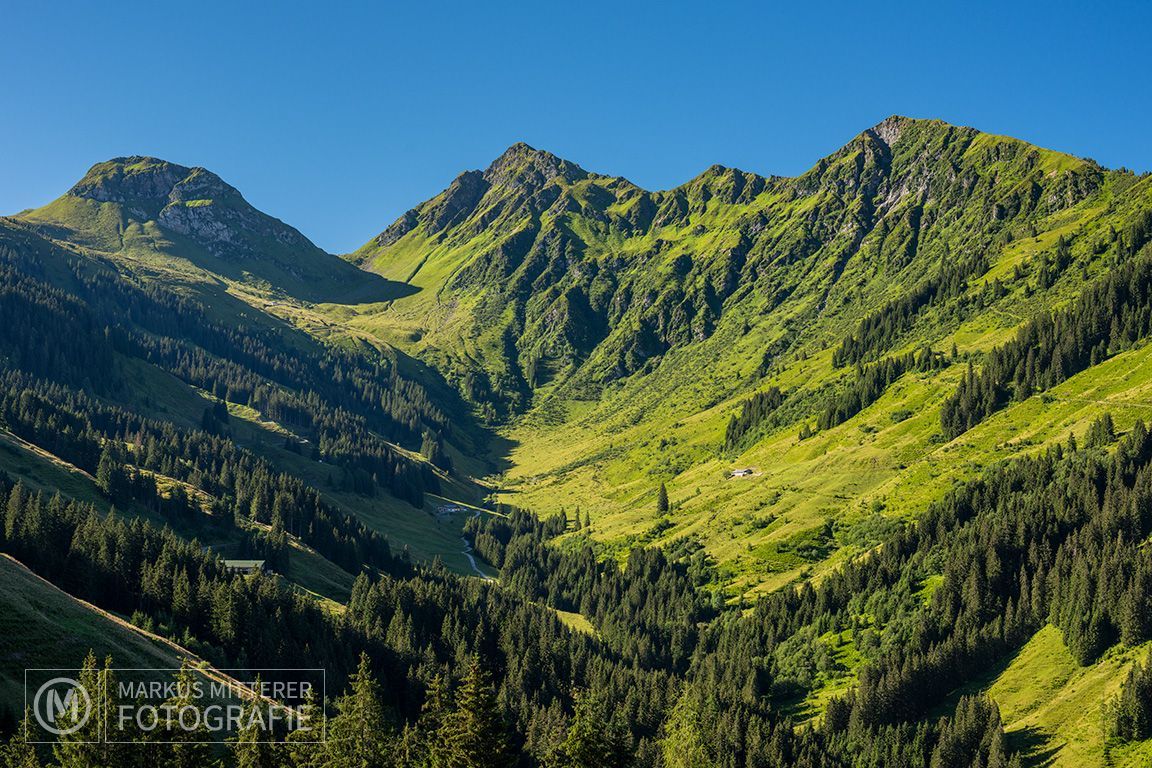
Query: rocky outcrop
[[129, 180], [192, 202]]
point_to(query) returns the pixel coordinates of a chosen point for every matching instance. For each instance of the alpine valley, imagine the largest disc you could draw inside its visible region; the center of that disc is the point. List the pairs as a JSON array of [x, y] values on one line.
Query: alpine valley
[[846, 469]]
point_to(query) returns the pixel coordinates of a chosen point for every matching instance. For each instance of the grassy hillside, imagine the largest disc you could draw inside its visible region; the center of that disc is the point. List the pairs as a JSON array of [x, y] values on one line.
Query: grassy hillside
[[562, 341], [1054, 708], [187, 223], [240, 268], [43, 627], [615, 332]]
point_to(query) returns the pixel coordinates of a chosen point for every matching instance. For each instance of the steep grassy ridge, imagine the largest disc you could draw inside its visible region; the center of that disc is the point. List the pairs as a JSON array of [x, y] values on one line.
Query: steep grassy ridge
[[615, 331]]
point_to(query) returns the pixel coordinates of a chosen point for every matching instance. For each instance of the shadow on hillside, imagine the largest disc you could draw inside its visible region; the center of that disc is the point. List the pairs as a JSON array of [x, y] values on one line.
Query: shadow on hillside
[[499, 452], [489, 452], [363, 288], [1034, 746], [324, 280]]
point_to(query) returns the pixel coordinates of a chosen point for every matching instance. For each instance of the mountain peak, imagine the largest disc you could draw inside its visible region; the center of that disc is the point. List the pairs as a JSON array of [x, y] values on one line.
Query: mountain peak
[[189, 201], [524, 166], [141, 179], [129, 178], [889, 129]]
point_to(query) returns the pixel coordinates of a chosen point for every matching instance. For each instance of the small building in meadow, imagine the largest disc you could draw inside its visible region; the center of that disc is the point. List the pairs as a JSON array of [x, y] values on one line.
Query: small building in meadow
[[244, 567], [745, 472]]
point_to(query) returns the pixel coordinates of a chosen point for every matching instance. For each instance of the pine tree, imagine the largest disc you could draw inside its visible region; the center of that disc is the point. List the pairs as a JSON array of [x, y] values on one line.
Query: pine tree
[[1101, 433], [621, 753], [305, 744], [83, 747], [475, 734], [682, 744], [16, 752], [1132, 719], [14, 511], [662, 499], [591, 741], [426, 746], [110, 475], [86, 747], [360, 735], [186, 748]]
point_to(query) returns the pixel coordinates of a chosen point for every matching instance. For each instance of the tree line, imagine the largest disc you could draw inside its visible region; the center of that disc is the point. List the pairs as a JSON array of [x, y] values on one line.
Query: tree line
[[1109, 316], [881, 329]]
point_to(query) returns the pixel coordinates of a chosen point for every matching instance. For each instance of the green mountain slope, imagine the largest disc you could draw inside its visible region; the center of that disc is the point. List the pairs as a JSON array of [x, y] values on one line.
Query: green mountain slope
[[616, 332], [43, 627], [928, 326], [554, 276], [143, 342], [162, 216]]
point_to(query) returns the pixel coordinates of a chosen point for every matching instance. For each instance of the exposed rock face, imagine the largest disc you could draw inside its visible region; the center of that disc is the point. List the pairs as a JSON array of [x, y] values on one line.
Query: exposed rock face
[[129, 179], [204, 223], [889, 129], [523, 167], [193, 202]]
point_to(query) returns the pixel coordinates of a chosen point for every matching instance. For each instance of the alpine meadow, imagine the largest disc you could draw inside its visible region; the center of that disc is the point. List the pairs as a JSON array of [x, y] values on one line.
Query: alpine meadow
[[847, 469]]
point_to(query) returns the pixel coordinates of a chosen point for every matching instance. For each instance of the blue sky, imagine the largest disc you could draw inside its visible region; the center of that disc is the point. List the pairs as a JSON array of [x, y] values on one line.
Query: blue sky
[[338, 119]]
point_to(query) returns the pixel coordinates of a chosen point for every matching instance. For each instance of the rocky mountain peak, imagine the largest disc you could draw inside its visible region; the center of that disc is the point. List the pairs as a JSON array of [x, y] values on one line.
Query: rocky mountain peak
[[150, 181], [190, 201], [128, 179], [522, 166], [889, 129]]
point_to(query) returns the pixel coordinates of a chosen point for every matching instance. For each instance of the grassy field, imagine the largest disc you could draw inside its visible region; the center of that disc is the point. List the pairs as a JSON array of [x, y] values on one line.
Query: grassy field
[[888, 458], [1053, 709], [41, 626]]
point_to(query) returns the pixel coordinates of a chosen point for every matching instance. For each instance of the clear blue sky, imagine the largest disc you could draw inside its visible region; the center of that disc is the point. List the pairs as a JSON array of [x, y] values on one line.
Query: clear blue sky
[[338, 119]]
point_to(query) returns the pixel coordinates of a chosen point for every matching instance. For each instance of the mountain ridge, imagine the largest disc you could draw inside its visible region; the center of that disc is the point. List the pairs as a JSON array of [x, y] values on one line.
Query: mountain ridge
[[531, 236], [887, 132], [612, 334], [917, 328]]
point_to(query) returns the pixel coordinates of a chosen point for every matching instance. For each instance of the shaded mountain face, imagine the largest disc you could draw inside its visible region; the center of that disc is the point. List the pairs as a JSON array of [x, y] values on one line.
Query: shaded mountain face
[[538, 272], [143, 206]]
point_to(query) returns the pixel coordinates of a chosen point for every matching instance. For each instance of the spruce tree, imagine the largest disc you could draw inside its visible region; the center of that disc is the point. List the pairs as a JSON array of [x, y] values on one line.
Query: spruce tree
[[83, 747], [426, 745], [591, 740], [360, 734], [475, 734], [186, 748], [17, 752], [252, 747], [305, 744], [682, 744]]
